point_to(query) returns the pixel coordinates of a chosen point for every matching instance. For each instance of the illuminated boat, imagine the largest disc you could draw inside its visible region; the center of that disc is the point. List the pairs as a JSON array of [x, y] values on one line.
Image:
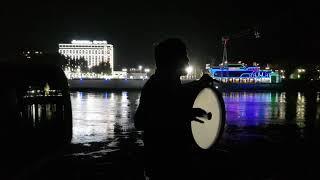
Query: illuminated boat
[[239, 73]]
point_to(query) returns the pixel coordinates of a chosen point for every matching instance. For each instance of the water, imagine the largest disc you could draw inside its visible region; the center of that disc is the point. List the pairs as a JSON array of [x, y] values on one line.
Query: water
[[98, 116], [268, 135], [106, 116]]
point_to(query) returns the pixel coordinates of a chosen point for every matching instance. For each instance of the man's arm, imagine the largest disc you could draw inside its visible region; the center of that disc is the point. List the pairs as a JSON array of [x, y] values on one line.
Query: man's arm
[[139, 118], [140, 115]]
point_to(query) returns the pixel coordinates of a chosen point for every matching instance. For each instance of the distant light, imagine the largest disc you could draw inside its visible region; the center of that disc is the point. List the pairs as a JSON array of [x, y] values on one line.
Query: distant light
[[189, 69], [141, 77], [281, 70], [146, 70], [239, 62], [140, 67], [99, 42], [217, 87], [131, 77], [81, 42], [125, 69]]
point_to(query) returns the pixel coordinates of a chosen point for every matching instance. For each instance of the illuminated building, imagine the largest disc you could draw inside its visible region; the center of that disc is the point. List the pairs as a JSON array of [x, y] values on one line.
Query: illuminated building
[[94, 52], [239, 73]]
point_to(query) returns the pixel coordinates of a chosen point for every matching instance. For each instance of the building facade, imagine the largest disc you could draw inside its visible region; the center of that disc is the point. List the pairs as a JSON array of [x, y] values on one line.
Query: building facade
[[94, 52]]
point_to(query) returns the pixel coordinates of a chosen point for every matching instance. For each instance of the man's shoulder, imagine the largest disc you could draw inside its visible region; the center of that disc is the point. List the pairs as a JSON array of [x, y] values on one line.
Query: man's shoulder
[[150, 83]]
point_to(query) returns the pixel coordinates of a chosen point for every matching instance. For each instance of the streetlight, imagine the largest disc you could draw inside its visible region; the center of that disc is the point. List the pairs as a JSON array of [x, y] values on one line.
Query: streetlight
[[189, 69], [140, 68], [146, 70]]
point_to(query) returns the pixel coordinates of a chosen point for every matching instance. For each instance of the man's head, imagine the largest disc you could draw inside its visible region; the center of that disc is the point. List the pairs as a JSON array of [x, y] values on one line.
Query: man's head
[[171, 56]]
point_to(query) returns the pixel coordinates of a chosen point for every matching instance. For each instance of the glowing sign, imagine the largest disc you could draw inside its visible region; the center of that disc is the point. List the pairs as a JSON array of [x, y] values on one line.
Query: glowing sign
[[99, 42], [81, 42], [87, 42]]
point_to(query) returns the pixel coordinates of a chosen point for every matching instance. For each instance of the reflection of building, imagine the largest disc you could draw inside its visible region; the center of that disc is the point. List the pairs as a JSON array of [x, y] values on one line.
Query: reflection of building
[[94, 52], [238, 73]]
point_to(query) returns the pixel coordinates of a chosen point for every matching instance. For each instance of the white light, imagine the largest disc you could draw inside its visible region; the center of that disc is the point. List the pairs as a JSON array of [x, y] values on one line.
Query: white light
[[99, 42], [146, 70], [81, 42], [217, 87], [131, 77], [189, 69], [140, 67], [124, 69], [141, 77]]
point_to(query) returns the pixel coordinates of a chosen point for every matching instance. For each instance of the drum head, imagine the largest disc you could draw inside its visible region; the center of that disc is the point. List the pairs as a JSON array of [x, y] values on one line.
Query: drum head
[[207, 133]]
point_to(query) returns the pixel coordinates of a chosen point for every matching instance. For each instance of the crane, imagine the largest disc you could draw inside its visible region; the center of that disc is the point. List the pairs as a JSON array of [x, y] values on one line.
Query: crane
[[226, 39]]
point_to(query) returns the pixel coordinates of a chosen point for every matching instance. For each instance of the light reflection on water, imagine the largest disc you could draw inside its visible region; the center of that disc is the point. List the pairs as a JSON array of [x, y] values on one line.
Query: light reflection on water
[[96, 116], [101, 116]]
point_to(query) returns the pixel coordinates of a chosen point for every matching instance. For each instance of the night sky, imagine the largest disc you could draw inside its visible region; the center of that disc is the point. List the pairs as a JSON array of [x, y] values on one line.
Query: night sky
[[288, 30]]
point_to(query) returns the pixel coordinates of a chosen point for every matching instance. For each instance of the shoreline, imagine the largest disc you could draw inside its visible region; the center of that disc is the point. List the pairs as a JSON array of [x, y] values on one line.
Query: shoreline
[[137, 85]]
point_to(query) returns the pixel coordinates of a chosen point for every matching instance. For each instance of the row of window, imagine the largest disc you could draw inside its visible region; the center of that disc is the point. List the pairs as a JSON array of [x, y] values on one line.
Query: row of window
[[81, 46], [89, 57], [73, 51]]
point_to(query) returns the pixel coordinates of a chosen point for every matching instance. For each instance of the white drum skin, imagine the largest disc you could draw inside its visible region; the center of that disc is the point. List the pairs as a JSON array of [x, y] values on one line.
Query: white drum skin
[[206, 134]]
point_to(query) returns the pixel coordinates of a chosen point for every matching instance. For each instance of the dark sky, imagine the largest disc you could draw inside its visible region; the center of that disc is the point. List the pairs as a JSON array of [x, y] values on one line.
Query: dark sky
[[288, 29]]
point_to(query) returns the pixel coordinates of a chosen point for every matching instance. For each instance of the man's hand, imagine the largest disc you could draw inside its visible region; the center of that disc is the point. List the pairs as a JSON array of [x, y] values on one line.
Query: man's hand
[[198, 112], [206, 80]]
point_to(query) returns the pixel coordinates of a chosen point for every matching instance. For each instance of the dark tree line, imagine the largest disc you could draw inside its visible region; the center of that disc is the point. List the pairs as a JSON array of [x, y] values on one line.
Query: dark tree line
[[66, 63], [103, 67]]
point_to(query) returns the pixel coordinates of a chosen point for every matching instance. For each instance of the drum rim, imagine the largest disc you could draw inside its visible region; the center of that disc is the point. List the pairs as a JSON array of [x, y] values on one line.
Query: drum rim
[[222, 124]]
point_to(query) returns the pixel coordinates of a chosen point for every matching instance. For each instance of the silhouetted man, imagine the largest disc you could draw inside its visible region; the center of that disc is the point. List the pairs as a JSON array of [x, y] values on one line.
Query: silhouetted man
[[164, 116]]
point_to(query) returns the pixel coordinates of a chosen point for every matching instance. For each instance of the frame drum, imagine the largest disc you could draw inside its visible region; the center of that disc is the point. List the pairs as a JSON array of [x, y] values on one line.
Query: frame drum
[[206, 134]]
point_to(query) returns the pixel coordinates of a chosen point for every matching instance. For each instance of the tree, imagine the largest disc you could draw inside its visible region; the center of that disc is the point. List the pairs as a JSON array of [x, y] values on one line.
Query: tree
[[103, 67], [83, 65]]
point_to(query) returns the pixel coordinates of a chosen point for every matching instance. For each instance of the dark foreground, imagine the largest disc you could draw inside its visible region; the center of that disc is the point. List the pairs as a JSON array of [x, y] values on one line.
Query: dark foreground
[[251, 153]]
